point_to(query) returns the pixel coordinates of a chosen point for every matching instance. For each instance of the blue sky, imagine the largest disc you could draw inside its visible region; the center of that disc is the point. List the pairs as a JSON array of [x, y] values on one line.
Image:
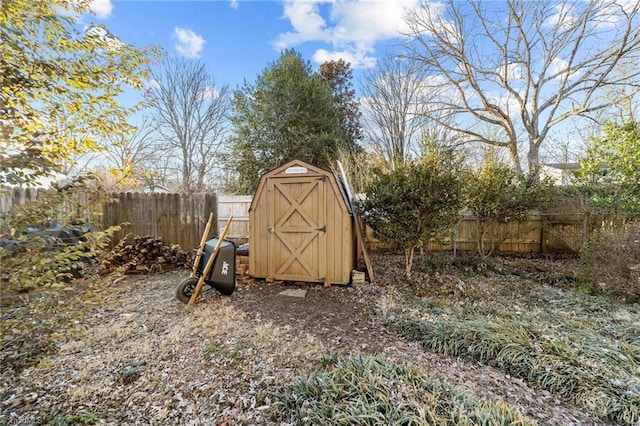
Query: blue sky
[[238, 39]]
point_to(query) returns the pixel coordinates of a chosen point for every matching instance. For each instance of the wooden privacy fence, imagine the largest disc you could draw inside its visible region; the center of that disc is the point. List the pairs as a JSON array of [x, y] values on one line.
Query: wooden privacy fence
[[176, 218], [563, 228], [10, 197], [181, 219], [543, 232], [236, 206]]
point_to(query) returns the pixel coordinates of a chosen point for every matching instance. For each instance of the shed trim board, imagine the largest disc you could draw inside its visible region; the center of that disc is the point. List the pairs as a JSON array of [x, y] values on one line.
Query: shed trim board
[[301, 227]]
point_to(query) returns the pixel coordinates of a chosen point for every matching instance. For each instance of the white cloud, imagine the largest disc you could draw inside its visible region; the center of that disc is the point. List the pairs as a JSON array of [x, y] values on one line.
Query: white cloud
[[605, 14], [234, 4], [152, 84], [512, 71], [306, 21], [369, 21], [611, 14], [358, 58], [189, 44], [558, 66], [564, 16], [561, 69], [628, 6], [101, 8], [505, 102], [110, 41], [352, 27], [209, 92]]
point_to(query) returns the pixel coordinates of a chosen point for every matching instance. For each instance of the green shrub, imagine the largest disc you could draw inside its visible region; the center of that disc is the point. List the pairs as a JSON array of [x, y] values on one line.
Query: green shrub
[[496, 195], [414, 202], [609, 174], [366, 390]]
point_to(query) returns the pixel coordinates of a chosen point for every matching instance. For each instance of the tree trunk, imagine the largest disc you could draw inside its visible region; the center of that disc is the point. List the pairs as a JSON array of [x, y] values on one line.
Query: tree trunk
[[514, 155], [408, 259], [480, 236], [202, 171], [533, 159], [186, 171]]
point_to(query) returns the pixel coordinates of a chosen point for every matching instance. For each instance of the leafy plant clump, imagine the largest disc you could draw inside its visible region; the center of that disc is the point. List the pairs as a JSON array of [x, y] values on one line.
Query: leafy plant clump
[[610, 172], [368, 390], [74, 419], [48, 269], [579, 347]]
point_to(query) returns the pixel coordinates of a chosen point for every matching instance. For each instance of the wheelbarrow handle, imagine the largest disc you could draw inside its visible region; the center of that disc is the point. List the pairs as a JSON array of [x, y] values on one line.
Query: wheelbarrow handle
[[200, 251]]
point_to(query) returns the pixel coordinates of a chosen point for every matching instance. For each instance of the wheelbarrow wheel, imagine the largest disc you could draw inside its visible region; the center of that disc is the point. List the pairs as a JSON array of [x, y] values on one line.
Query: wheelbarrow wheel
[[186, 288]]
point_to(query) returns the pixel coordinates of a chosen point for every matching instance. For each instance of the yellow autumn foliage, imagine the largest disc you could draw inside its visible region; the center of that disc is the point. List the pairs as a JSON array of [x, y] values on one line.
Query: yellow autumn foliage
[[60, 84]]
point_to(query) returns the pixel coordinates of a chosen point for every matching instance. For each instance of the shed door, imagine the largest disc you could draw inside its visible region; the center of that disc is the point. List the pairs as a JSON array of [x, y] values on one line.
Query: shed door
[[297, 228]]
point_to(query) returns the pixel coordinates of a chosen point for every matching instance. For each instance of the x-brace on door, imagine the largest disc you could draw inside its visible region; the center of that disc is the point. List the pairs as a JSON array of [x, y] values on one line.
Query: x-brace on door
[[297, 228]]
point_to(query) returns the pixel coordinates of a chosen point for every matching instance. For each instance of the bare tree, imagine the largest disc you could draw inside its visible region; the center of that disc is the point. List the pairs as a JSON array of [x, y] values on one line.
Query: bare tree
[[191, 117], [137, 154], [393, 111], [135, 148], [123, 158], [628, 106], [524, 67], [397, 103]]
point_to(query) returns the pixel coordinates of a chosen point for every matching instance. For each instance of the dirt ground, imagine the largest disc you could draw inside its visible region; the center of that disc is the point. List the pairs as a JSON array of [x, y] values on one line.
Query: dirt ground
[[148, 359]]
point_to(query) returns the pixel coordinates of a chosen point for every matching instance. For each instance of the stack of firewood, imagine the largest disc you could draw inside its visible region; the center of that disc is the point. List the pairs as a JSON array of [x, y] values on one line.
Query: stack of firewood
[[147, 254]]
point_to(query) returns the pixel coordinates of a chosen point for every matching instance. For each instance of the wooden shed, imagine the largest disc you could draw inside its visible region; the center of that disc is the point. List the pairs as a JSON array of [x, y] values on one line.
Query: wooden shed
[[301, 226]]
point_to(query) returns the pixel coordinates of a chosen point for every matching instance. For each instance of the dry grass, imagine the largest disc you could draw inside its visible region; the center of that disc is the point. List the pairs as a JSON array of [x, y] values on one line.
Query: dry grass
[[34, 324], [145, 358], [169, 363], [611, 260], [223, 337]]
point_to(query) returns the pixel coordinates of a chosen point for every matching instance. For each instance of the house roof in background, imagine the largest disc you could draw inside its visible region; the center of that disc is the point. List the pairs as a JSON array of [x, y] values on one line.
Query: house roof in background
[[562, 166]]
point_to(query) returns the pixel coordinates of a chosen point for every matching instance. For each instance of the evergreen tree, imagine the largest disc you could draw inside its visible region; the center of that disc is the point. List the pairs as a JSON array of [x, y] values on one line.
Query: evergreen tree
[[289, 113], [338, 75]]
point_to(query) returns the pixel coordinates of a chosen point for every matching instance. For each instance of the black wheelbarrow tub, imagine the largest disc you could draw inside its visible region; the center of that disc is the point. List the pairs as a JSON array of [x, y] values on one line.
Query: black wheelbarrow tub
[[222, 275]]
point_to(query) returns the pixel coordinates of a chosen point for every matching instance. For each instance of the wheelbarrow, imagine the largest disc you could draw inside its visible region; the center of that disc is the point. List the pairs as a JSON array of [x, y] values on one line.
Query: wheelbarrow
[[214, 265]]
